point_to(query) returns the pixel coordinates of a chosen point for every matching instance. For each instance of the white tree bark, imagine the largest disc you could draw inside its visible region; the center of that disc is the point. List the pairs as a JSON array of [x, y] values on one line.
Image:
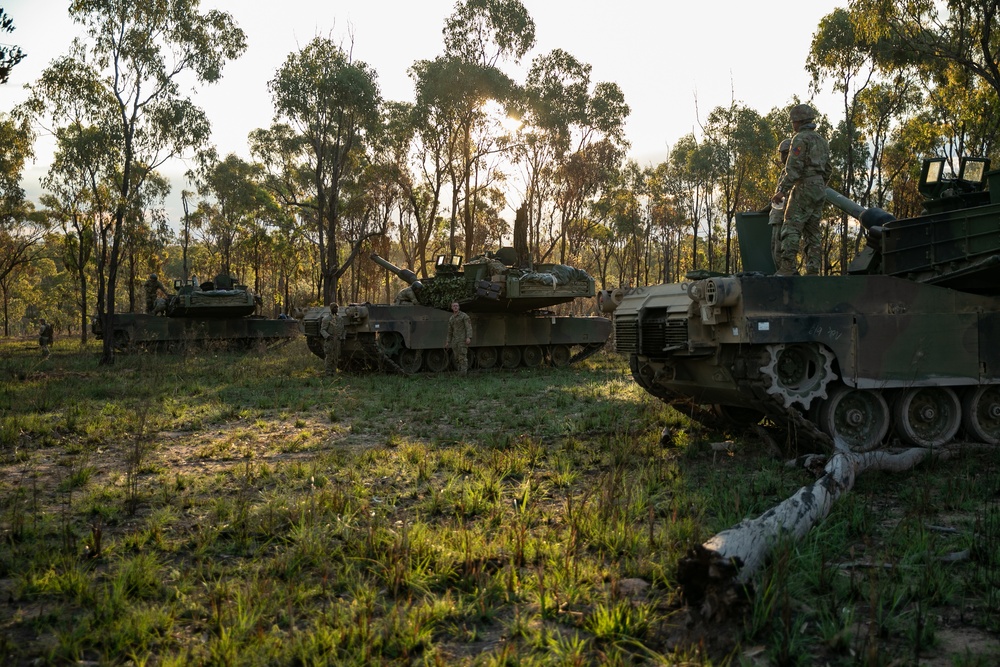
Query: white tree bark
[[751, 539], [735, 555]]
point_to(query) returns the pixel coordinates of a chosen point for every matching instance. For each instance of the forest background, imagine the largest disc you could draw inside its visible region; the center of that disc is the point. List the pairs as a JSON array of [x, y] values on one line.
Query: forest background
[[343, 172]]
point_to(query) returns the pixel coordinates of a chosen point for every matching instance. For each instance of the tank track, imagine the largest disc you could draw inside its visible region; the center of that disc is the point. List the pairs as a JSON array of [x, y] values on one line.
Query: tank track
[[373, 357], [587, 351]]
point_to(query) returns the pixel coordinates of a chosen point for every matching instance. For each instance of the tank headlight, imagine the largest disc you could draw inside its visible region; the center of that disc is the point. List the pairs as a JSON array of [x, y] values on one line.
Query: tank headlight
[[722, 292]]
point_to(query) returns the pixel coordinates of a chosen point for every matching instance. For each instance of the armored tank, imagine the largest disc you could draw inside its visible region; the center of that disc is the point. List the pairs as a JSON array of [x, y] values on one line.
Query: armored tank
[[218, 311], [508, 308], [903, 345]]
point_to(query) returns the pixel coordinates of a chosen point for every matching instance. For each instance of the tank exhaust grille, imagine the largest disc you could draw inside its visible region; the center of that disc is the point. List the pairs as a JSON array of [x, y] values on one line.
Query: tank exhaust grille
[[676, 331], [627, 334]]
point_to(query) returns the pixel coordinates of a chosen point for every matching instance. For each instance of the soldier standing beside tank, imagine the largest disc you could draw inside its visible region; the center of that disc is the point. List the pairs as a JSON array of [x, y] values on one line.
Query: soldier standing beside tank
[[459, 337], [46, 336], [777, 215], [408, 295], [151, 287], [332, 331], [803, 190]]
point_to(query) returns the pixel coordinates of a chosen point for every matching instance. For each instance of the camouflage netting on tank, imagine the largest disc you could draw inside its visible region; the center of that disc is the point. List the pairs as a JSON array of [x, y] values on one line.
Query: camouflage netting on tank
[[218, 298], [441, 291], [496, 267], [560, 274]]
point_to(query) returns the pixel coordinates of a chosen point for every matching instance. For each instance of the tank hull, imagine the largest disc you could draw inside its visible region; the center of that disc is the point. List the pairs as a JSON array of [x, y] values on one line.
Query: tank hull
[[810, 344], [412, 338], [132, 330]]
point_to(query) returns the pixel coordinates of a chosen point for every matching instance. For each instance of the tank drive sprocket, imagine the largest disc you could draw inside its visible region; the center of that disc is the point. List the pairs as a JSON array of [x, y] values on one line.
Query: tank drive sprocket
[[798, 372]]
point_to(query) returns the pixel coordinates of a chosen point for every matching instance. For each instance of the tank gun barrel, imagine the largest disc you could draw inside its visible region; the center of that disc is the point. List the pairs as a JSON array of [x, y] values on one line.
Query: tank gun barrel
[[871, 218], [407, 276]]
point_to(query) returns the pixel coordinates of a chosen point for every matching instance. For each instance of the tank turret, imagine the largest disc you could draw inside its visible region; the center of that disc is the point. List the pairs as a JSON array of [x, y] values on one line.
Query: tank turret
[[486, 284], [224, 297], [952, 243]]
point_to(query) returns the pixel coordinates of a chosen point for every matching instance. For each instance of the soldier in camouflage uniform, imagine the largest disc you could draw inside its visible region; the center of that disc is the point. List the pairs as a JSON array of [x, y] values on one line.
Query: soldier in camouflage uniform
[[803, 190], [332, 331], [45, 337], [151, 287], [777, 215], [408, 295], [459, 337]]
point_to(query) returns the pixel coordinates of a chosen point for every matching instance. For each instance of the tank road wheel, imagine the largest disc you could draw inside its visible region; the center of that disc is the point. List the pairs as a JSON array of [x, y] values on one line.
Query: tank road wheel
[[559, 355], [390, 343], [798, 372], [532, 356], [858, 418], [122, 341], [510, 357], [486, 357], [436, 360], [981, 413], [410, 360], [927, 416]]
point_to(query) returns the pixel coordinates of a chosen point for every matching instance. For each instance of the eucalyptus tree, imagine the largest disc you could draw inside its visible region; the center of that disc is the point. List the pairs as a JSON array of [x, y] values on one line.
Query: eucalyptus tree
[[233, 207], [78, 199], [571, 144], [453, 99], [694, 169], [10, 55], [665, 220], [934, 35], [555, 96], [424, 150], [880, 110], [20, 231], [477, 37], [848, 56], [741, 142], [146, 233], [331, 102], [126, 77], [17, 139]]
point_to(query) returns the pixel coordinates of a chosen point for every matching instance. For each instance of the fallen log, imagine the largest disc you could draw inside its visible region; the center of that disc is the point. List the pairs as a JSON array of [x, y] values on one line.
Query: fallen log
[[728, 561]]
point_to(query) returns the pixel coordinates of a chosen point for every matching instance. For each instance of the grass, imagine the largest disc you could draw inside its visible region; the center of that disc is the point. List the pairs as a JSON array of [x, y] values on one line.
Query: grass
[[220, 509]]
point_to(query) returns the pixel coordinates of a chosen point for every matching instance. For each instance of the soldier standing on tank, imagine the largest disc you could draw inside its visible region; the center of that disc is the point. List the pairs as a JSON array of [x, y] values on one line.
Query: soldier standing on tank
[[151, 287], [408, 295], [802, 189], [332, 331], [459, 337], [46, 336], [777, 215]]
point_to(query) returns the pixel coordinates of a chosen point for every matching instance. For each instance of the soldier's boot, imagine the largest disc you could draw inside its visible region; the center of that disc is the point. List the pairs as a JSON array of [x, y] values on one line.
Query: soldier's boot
[[786, 268]]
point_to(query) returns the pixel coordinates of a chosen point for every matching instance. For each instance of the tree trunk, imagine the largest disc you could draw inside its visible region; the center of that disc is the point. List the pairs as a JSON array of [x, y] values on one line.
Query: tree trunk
[[712, 571]]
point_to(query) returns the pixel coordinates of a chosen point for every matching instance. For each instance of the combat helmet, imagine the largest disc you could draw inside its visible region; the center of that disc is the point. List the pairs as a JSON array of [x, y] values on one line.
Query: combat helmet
[[801, 112], [417, 285], [785, 146], [152, 276]]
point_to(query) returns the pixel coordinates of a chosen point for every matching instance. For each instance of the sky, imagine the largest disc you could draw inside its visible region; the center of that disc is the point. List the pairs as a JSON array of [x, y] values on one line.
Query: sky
[[674, 61]]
